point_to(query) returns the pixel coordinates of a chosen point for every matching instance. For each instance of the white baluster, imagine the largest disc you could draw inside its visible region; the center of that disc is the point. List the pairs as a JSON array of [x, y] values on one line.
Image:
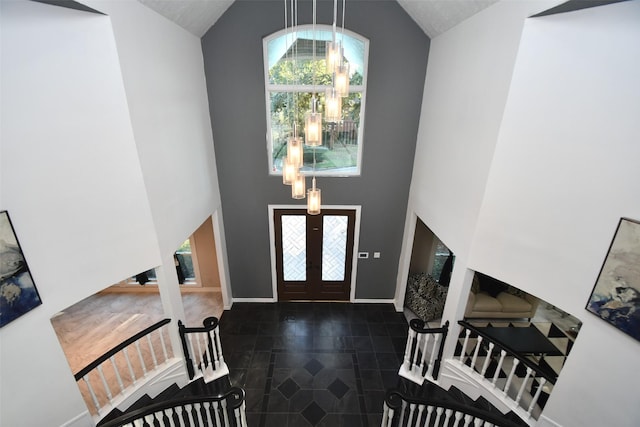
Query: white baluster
[[118, 378], [198, 407], [478, 422], [180, 412], [434, 347], [91, 392], [104, 382], [412, 408], [402, 411], [423, 349], [207, 348], [419, 417], [543, 381], [438, 415], [475, 353], [153, 353], [170, 415], [467, 420], [487, 359], [458, 417], [511, 374], [464, 345], [164, 346], [194, 359], [126, 356], [408, 358], [429, 412], [200, 352], [243, 416], [216, 413], [499, 368], [447, 417], [385, 415], [144, 367], [225, 415], [189, 409], [524, 385]]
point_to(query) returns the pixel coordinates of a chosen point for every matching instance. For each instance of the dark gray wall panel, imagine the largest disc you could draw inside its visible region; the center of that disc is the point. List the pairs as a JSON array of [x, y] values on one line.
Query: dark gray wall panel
[[233, 60]]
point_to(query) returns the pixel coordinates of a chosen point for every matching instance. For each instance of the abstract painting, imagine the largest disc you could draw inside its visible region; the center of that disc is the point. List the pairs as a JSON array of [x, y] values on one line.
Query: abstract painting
[[616, 295], [18, 293]]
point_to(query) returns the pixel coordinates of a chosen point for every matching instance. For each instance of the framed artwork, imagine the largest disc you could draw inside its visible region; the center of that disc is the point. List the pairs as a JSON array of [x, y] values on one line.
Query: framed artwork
[[616, 295], [18, 293]]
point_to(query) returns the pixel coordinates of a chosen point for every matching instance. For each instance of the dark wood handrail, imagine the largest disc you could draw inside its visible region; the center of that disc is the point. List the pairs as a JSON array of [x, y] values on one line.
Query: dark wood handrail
[[509, 350], [394, 399], [234, 397], [418, 326], [93, 365]]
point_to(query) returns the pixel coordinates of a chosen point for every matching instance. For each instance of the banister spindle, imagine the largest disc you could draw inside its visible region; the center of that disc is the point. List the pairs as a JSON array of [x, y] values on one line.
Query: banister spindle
[[126, 356], [458, 418], [225, 416], [464, 345], [439, 411], [475, 352], [524, 385], [407, 351], [213, 348], [447, 416], [543, 381], [164, 346], [144, 367], [425, 344], [104, 382], [487, 359], [216, 413], [91, 392], [412, 409], [115, 369], [419, 417], [434, 347], [430, 409], [153, 353], [511, 374], [496, 374], [219, 346]]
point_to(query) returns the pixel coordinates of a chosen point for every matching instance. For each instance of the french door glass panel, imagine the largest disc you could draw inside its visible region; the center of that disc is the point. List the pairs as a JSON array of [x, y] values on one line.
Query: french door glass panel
[[334, 247], [294, 247]]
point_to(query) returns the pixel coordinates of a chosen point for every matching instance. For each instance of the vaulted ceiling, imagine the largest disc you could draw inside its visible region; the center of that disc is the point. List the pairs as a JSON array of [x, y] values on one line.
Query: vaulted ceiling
[[433, 16]]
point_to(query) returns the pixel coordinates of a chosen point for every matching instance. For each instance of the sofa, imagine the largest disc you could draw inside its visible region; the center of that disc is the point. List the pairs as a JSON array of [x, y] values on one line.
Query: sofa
[[425, 297], [492, 299]]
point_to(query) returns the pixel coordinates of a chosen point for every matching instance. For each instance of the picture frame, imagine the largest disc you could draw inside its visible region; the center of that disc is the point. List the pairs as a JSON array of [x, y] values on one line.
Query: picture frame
[[615, 297], [18, 293]]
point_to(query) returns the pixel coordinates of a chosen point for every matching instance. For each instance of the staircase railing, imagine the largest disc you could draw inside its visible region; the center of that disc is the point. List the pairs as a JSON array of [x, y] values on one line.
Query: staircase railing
[[226, 410], [401, 411], [525, 380], [203, 350], [423, 353], [111, 376]]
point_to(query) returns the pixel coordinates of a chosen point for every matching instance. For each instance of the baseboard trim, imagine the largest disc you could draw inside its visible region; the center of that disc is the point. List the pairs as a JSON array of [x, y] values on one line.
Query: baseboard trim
[[373, 301], [81, 420], [235, 300]]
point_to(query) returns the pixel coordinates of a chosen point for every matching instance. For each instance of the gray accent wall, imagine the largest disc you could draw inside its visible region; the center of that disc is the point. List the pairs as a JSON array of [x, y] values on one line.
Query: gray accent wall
[[233, 60]]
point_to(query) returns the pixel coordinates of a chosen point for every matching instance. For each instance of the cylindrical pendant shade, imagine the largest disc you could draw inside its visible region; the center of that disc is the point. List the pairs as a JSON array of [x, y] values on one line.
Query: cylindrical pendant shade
[[341, 79], [313, 129], [333, 55], [333, 106], [295, 151], [313, 199], [288, 172], [298, 187]]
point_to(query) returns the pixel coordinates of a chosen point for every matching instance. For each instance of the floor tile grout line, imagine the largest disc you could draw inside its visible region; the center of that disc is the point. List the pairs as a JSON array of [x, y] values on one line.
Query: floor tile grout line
[[359, 389]]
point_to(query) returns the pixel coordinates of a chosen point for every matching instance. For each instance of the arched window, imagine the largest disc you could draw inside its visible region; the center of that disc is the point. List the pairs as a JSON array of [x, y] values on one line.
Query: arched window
[[290, 74]]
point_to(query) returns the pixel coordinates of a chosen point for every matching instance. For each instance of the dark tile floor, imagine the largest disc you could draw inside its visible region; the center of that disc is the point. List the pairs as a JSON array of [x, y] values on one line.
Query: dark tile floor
[[313, 364]]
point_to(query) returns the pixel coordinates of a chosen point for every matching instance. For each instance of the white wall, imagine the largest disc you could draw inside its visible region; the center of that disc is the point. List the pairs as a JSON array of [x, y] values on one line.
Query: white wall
[[163, 72], [565, 170], [106, 154], [72, 183]]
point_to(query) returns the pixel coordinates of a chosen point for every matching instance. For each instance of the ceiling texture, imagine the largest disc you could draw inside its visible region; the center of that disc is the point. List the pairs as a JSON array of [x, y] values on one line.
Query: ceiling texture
[[433, 16]]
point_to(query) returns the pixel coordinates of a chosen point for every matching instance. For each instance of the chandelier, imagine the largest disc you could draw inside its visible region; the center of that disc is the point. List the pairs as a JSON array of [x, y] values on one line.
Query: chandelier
[[338, 68]]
